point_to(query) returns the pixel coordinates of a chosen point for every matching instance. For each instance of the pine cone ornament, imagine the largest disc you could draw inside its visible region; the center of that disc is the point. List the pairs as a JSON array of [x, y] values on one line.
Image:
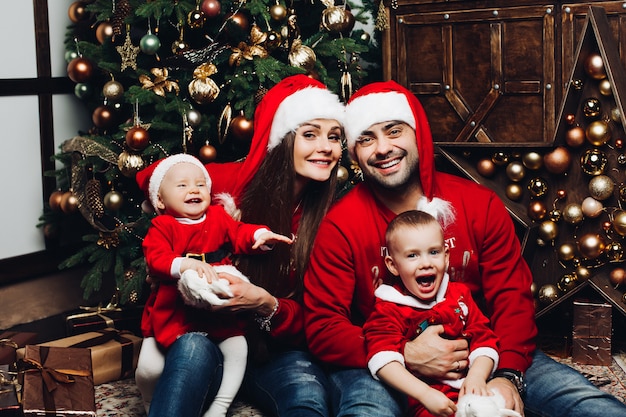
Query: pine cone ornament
[[122, 10], [93, 192]]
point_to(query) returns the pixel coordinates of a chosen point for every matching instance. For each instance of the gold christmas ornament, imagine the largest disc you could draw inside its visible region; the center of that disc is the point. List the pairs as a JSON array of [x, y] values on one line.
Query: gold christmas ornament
[[342, 174], [614, 252], [575, 137], [566, 252], [594, 66], [336, 19], [598, 133], [69, 202], [617, 277], [113, 200], [604, 87], [500, 159], [129, 163], [573, 213], [591, 245], [515, 171], [593, 162], [601, 187], [548, 293], [278, 12], [203, 89], [161, 83], [537, 210], [109, 240], [592, 109], [301, 56], [113, 90], [532, 160], [557, 161], [548, 230], [567, 282], [619, 223], [514, 192], [537, 187], [128, 52], [583, 273], [615, 115], [486, 167], [55, 200]]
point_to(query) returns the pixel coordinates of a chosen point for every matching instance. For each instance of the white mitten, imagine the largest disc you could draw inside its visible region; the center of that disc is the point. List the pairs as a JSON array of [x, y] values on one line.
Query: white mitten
[[197, 292], [471, 405]]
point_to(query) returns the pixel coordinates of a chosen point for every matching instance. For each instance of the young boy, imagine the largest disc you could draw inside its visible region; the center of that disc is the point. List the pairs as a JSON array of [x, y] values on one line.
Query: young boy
[[423, 296], [189, 235]]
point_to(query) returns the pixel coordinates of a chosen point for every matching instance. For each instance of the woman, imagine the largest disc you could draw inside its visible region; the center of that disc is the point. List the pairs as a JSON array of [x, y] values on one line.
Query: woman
[[287, 181]]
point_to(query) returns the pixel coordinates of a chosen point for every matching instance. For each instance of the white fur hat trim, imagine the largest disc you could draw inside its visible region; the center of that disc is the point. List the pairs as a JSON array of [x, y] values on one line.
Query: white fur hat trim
[[303, 105], [364, 111], [161, 169]]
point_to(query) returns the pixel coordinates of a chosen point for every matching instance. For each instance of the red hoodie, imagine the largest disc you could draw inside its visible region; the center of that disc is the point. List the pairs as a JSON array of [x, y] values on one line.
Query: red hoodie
[[347, 263]]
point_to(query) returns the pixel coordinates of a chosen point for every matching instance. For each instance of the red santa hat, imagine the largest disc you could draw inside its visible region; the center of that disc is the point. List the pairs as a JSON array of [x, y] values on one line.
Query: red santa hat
[[386, 101], [284, 108], [150, 178]]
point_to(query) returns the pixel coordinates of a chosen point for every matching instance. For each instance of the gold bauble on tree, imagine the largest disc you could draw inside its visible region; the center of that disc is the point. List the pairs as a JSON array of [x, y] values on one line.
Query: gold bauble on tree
[[566, 252], [598, 133], [604, 87], [337, 20], [202, 89], [515, 171], [533, 160], [207, 153], [593, 162], [113, 90], [614, 252], [583, 273], [567, 282], [69, 202], [113, 200], [342, 174], [129, 163], [301, 56], [594, 66], [548, 230], [514, 191], [278, 12], [538, 187], [592, 108]]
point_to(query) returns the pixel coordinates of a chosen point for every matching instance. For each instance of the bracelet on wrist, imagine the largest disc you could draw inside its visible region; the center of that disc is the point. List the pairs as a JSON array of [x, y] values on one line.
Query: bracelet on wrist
[[513, 375], [265, 322]]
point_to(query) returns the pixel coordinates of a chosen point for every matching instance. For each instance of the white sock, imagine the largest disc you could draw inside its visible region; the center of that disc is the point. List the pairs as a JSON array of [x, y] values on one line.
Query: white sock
[[235, 352], [149, 369]]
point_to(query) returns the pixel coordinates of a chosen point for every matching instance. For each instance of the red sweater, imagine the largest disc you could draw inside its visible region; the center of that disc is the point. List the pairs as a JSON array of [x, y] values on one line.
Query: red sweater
[[347, 264], [166, 316]]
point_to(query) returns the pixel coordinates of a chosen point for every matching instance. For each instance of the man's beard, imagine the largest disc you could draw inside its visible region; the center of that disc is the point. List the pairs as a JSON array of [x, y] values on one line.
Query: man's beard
[[399, 181]]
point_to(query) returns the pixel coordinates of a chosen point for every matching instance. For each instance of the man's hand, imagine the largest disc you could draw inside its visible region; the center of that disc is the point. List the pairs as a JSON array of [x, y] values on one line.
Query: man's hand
[[512, 399], [430, 355]]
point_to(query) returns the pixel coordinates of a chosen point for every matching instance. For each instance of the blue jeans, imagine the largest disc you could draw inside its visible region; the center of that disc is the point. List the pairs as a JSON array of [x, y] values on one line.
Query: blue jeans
[[290, 384], [191, 377], [355, 393], [554, 389]]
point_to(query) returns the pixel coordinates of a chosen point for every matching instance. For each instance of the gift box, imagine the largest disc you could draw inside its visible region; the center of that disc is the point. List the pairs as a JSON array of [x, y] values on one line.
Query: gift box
[[114, 353], [10, 341], [57, 382], [9, 403], [91, 319], [591, 333]]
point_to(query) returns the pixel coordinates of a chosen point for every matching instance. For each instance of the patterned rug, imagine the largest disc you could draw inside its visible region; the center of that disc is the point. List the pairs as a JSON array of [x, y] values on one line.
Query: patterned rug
[[122, 398]]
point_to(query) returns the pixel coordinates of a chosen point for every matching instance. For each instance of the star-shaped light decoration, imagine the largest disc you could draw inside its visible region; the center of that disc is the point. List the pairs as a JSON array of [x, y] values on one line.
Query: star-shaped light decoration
[[161, 83], [248, 52], [129, 53], [568, 200]]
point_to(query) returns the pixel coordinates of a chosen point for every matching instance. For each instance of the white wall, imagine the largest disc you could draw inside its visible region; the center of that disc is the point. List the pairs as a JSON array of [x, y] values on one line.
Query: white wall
[[20, 159]]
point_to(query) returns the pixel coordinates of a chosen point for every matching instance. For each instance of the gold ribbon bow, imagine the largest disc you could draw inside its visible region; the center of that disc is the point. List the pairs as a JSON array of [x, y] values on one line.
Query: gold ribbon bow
[[248, 52], [52, 377], [161, 82]]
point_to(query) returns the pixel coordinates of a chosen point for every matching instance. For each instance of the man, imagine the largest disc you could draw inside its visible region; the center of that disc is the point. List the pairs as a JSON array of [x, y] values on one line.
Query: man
[[389, 136]]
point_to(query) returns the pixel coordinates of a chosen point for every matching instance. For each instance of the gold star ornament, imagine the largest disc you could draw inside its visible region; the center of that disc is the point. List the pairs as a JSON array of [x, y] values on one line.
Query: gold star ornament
[[129, 53]]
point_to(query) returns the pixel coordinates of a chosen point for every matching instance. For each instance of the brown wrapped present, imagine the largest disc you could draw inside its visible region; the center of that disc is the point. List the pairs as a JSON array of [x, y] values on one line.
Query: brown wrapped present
[[114, 353], [10, 341], [9, 404], [92, 319], [58, 382], [591, 333]]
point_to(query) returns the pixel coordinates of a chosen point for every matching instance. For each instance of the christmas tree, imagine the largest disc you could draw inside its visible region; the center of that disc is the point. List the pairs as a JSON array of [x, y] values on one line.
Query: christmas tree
[[162, 77]]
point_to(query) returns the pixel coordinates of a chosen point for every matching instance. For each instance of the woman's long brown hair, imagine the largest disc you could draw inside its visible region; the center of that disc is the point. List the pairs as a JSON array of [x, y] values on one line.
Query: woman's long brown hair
[[269, 200]]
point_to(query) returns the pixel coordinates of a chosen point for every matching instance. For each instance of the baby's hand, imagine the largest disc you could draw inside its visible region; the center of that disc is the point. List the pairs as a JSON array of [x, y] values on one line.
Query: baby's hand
[[438, 404], [203, 269], [268, 238], [477, 386]]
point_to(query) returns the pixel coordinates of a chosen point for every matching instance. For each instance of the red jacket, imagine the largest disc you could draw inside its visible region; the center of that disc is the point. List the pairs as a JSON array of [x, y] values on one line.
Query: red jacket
[[166, 316], [347, 264], [399, 317]]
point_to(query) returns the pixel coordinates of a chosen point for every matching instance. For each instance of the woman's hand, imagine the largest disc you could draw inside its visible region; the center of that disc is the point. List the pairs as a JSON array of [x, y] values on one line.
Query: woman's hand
[[246, 297], [430, 355]]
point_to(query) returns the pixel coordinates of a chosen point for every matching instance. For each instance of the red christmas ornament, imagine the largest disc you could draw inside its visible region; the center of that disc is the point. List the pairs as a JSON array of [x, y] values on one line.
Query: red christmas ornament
[[241, 128], [104, 117], [137, 138], [211, 8], [80, 70], [207, 153]]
